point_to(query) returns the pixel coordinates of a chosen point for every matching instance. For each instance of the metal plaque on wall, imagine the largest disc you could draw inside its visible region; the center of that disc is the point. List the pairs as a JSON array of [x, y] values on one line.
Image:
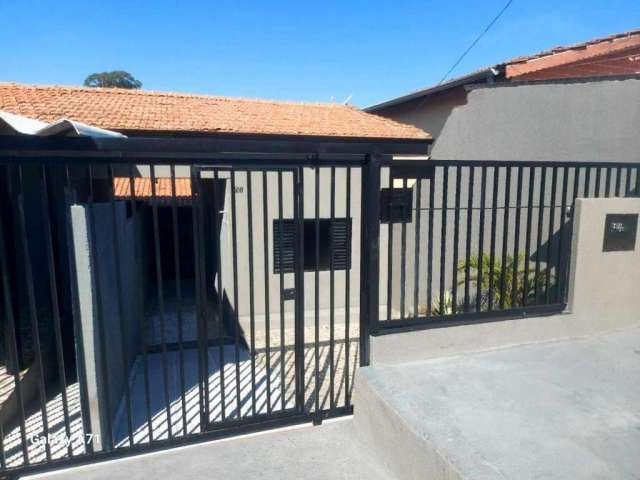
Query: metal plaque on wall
[[620, 232]]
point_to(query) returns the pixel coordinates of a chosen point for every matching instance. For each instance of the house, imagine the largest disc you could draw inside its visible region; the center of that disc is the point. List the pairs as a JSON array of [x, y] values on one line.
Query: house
[[578, 103], [573, 103], [208, 235]]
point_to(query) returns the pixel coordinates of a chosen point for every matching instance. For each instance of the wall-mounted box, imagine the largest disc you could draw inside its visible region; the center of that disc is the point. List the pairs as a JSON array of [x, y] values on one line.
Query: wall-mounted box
[[620, 231]]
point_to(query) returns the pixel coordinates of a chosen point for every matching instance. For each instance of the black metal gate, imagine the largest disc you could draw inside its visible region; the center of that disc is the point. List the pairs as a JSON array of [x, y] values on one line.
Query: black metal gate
[[227, 292], [169, 305]]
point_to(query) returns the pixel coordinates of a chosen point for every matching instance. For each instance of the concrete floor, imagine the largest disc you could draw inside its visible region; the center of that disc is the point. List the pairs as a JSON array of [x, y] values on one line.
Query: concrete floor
[[326, 452], [554, 411], [273, 380], [36, 451]]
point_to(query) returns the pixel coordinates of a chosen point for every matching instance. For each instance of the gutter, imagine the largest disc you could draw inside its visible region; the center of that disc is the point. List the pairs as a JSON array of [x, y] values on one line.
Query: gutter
[[486, 75]]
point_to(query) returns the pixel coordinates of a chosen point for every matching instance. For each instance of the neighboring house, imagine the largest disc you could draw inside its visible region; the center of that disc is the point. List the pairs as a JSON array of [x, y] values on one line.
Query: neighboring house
[[571, 103], [574, 103]]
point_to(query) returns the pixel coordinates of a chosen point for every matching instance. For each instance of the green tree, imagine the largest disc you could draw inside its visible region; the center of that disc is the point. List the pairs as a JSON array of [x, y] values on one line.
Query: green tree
[[115, 79]]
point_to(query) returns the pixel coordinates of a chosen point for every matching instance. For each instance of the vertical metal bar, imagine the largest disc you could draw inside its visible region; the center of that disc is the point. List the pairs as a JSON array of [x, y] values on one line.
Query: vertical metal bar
[[370, 256], [316, 345], [55, 307], [176, 259], [430, 244], [99, 313], [347, 294], [607, 188], [416, 254], [543, 184], [252, 319], [236, 305], [281, 270], [332, 399], [390, 226], [505, 236], [33, 314], [467, 261], [552, 224], [483, 199], [638, 181], [267, 313], [217, 213], [443, 238], [13, 344], [205, 305], [618, 180], [587, 182], [560, 277], [456, 241], [596, 193], [298, 178], [492, 247], [3, 456], [120, 303], [627, 182], [403, 255], [527, 249], [163, 340], [516, 240], [198, 267]]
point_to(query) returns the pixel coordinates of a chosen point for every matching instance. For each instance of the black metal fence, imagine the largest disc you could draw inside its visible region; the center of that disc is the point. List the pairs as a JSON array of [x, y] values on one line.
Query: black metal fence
[[149, 304], [467, 240], [153, 304]]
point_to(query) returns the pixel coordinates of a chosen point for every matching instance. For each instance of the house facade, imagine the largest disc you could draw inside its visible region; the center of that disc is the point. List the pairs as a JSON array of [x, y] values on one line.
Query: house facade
[[574, 103]]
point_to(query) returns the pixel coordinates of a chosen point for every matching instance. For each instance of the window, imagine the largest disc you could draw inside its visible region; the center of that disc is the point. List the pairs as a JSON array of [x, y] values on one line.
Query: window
[[396, 205], [336, 233]]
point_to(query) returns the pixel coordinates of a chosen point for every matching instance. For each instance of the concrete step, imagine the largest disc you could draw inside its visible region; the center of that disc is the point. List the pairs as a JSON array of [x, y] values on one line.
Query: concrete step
[[554, 410], [329, 451]]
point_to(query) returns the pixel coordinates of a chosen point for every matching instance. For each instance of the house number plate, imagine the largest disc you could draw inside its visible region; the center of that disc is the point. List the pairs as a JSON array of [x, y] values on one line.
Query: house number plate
[[620, 232]]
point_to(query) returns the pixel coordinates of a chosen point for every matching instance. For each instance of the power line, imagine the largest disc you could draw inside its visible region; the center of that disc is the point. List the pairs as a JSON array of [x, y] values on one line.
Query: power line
[[473, 44]]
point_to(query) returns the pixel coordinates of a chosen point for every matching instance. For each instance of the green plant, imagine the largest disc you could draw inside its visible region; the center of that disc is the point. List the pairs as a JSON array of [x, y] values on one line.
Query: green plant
[[445, 307], [508, 283]]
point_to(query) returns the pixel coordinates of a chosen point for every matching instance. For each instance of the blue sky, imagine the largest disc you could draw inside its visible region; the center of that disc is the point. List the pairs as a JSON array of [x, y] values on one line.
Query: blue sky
[[295, 50]]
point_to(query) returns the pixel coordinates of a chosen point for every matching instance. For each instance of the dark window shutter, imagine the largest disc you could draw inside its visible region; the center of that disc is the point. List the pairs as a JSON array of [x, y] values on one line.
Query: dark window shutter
[[334, 237], [284, 253], [340, 235]]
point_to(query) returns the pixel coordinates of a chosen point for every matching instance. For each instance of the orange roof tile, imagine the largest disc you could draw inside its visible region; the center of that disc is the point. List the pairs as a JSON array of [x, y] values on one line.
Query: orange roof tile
[[142, 188], [621, 46], [145, 111]]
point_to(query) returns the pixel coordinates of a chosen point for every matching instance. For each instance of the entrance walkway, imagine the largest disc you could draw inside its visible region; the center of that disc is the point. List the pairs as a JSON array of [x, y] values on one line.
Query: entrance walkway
[[555, 411], [273, 385]]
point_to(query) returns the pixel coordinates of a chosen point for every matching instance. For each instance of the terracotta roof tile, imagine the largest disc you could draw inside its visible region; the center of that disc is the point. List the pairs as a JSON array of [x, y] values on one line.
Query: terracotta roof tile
[[143, 190], [137, 110], [581, 53]]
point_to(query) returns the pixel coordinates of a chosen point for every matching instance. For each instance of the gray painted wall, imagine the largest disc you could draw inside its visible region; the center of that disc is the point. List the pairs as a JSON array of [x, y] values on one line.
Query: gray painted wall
[[260, 249], [561, 120], [564, 121]]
